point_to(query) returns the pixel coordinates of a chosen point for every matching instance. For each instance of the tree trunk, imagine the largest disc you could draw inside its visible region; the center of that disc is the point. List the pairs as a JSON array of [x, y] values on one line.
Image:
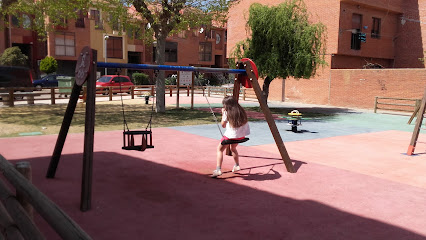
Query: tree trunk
[[160, 59], [265, 89]]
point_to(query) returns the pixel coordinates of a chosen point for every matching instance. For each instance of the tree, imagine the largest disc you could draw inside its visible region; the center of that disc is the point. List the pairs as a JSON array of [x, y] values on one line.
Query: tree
[[159, 18], [48, 65], [283, 42], [170, 16], [13, 57]]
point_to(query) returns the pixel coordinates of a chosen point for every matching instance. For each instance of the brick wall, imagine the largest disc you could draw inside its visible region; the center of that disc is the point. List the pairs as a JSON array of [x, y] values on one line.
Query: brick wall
[[355, 87]]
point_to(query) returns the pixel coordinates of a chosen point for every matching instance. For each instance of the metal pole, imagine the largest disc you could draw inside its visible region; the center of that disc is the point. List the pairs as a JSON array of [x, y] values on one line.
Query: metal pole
[[106, 52], [172, 68]]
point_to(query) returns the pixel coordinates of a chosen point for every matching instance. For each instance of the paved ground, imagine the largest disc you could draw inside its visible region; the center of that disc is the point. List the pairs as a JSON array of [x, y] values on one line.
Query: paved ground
[[353, 181]]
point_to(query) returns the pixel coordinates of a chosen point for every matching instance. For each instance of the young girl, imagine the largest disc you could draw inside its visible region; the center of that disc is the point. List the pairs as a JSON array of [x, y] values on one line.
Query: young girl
[[234, 119]]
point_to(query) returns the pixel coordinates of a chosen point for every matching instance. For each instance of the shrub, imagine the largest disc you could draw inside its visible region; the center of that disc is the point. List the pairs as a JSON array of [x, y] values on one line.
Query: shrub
[[13, 57], [171, 80], [140, 79], [48, 65]]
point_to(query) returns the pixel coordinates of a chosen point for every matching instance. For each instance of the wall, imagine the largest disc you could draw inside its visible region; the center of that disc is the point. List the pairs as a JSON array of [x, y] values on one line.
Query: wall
[[326, 12], [82, 39], [357, 87]]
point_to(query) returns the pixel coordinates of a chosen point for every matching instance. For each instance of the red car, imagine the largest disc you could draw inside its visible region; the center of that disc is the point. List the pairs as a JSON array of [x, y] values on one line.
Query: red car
[[114, 81]]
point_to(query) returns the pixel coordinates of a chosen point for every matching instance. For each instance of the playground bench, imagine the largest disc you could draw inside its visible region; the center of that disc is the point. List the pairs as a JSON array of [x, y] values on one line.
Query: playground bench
[[9, 98]]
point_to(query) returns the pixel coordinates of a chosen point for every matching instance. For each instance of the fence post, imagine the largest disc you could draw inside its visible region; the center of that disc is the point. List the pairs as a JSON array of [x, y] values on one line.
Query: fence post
[[375, 104], [418, 101], [52, 96], [152, 90], [110, 89], [187, 91], [24, 168], [208, 91], [244, 94], [224, 92], [11, 97], [171, 91], [132, 92]]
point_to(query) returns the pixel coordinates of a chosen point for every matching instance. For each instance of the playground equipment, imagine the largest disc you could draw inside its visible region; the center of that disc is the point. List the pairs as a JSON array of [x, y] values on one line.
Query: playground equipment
[[129, 136], [420, 111], [294, 120], [86, 70]]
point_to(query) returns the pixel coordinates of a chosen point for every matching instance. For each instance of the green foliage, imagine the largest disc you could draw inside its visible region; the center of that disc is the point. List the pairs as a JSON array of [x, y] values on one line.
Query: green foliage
[[201, 80], [157, 19], [140, 78], [283, 43], [48, 65], [172, 80], [169, 17], [13, 57]]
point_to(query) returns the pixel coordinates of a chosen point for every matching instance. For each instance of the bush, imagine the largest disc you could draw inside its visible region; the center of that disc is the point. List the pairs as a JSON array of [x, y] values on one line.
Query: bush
[[140, 79], [13, 57], [201, 80], [172, 80], [48, 65]]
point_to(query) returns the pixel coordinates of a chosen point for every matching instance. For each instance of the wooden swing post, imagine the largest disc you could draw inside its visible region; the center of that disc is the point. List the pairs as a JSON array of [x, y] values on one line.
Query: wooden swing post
[[420, 114], [268, 116]]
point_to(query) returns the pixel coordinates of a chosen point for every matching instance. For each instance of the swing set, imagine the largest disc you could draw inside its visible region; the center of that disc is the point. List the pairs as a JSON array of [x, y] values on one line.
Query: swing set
[[247, 75], [129, 135]]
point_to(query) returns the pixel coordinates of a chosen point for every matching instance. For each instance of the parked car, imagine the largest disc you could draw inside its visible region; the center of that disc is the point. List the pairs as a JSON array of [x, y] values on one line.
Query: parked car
[[11, 76], [47, 81], [114, 81]]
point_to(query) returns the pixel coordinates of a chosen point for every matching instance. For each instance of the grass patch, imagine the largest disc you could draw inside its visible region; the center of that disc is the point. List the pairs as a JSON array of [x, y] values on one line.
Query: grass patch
[[109, 116]]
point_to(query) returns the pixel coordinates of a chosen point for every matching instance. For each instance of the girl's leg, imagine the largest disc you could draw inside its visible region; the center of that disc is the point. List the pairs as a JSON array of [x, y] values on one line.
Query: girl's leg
[[235, 154], [219, 158]]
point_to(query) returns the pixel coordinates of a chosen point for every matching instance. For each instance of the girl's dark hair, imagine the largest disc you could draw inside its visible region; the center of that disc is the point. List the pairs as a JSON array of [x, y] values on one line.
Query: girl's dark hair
[[237, 117]]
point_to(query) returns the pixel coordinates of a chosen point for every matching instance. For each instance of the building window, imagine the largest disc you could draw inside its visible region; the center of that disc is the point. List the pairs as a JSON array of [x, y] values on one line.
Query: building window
[[171, 51], [96, 15], [356, 29], [205, 51], [15, 21], [26, 21], [79, 22], [115, 24], [375, 31], [134, 33], [115, 47], [65, 44]]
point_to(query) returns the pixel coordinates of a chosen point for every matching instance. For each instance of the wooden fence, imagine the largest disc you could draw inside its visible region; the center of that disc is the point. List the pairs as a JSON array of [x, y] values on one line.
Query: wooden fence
[[396, 104], [9, 96], [16, 210]]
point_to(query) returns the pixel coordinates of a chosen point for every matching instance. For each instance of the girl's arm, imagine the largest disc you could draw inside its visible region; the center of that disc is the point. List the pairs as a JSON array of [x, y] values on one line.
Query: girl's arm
[[224, 118]]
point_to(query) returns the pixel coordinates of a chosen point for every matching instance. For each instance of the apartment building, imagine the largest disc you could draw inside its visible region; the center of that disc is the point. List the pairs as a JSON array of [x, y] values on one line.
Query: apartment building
[[203, 46], [362, 37], [17, 33]]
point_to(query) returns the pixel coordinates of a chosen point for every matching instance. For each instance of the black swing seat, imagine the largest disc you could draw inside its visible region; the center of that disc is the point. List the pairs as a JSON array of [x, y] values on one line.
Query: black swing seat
[[129, 140], [232, 141]]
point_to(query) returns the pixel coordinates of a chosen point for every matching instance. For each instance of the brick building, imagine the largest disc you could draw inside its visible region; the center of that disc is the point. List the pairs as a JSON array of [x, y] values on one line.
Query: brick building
[[394, 32], [205, 48]]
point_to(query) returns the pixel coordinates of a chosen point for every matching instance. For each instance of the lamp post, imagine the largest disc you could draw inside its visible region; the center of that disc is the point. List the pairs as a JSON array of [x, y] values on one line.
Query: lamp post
[[106, 39]]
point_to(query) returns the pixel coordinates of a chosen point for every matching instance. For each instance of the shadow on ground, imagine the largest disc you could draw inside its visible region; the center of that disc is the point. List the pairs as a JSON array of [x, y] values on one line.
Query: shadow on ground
[[134, 198]]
